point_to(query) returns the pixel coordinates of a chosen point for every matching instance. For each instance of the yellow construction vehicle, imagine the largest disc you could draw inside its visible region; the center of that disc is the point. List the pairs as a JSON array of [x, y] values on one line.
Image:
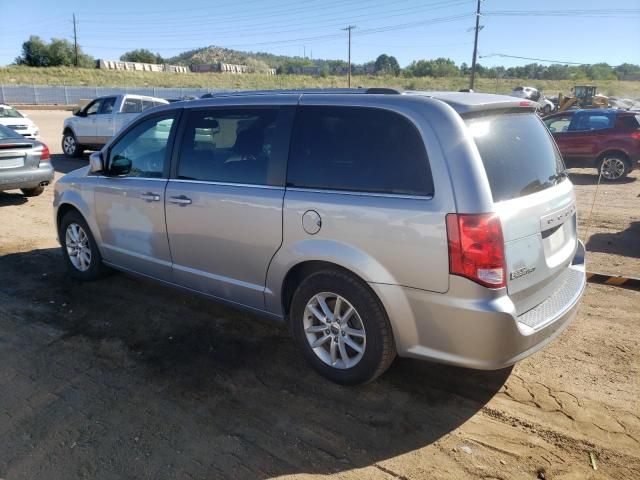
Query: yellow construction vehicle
[[583, 96]]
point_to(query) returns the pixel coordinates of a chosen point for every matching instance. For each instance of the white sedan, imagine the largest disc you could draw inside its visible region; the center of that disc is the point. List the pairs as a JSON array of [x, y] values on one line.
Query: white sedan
[[15, 120]]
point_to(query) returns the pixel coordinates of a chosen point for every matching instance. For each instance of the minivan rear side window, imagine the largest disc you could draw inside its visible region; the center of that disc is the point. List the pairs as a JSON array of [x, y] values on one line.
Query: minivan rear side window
[[357, 149], [518, 154]]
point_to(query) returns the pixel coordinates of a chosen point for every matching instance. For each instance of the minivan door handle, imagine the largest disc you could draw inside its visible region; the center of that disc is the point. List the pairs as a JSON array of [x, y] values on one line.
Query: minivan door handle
[[150, 197], [181, 200]]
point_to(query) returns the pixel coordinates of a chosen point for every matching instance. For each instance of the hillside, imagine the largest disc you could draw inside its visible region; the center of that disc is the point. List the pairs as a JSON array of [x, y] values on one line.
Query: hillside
[[213, 54], [21, 75]]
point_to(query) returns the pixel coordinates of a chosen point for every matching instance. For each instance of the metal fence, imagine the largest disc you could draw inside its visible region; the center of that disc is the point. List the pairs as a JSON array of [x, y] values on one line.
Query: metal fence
[[68, 95]]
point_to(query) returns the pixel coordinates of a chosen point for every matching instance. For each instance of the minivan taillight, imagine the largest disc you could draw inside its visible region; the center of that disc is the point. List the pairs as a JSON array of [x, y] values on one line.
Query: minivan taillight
[[476, 248]]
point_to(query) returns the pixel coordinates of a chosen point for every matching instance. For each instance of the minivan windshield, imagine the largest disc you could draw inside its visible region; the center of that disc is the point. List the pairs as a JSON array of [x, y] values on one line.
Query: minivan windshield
[[518, 154]]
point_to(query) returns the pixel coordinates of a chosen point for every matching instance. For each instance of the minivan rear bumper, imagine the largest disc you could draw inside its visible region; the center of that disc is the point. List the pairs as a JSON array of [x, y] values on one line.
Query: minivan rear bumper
[[463, 327]]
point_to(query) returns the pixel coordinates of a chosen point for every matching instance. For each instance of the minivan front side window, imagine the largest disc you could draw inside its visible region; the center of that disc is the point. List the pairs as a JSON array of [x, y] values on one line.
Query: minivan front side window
[[141, 152], [229, 146], [358, 149]]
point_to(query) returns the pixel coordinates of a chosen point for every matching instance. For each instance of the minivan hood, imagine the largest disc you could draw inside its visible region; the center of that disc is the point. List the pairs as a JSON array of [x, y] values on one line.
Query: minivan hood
[[80, 172]]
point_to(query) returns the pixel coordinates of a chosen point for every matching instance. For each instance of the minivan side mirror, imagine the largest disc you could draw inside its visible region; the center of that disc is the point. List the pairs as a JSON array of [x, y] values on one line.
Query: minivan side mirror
[[96, 163], [119, 165]]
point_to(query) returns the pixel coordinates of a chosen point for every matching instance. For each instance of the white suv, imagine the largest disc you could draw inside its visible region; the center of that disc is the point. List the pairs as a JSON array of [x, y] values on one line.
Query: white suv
[[92, 126]]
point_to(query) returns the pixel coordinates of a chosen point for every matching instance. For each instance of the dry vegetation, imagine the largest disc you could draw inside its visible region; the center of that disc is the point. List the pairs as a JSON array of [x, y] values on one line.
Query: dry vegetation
[[17, 75]]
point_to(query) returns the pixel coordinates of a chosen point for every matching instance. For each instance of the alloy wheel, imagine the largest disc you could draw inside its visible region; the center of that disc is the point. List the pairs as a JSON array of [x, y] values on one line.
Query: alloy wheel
[[69, 144], [612, 168], [334, 330], [78, 247]]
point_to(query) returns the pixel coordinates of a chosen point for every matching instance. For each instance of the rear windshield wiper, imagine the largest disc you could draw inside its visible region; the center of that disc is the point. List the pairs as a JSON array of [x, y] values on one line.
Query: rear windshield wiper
[[559, 176]]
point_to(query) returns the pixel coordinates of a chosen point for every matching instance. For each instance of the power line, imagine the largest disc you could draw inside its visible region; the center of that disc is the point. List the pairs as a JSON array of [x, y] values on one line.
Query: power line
[[370, 31], [504, 55], [610, 13], [271, 28]]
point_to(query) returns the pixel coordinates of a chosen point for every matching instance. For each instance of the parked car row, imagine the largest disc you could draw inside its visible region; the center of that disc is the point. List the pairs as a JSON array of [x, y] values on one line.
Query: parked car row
[[324, 210]]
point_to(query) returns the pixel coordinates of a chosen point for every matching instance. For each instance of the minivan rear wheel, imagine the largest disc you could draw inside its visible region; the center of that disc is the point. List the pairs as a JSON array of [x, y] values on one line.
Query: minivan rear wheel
[[79, 248], [613, 167], [341, 328]]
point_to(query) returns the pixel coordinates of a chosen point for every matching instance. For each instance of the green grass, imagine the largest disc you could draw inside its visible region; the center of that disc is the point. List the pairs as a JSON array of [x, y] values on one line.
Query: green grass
[[19, 75]]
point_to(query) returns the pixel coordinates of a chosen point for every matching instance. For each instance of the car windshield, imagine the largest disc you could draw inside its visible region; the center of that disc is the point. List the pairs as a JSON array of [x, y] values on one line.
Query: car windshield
[[8, 133], [9, 112]]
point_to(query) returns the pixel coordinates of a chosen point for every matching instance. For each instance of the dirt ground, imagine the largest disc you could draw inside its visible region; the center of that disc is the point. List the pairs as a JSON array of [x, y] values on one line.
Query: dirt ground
[[123, 378]]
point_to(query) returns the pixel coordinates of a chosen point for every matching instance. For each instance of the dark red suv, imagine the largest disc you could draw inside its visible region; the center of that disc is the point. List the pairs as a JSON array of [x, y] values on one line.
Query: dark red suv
[[606, 139]]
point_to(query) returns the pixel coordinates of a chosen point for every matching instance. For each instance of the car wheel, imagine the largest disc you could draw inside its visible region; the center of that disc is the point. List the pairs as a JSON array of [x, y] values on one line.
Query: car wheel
[[341, 328], [70, 145], [79, 248], [613, 167], [32, 192], [546, 109]]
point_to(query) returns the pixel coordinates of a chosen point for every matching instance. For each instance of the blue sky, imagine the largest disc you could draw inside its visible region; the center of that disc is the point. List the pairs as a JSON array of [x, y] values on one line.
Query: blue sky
[[407, 29]]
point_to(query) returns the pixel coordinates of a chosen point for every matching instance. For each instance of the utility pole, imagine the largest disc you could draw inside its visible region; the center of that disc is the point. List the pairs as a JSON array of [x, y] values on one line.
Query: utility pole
[[348, 29], [475, 48], [75, 40]]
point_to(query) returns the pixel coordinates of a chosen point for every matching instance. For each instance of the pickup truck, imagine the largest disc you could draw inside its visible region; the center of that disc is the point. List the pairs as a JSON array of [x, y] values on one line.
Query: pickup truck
[[93, 125]]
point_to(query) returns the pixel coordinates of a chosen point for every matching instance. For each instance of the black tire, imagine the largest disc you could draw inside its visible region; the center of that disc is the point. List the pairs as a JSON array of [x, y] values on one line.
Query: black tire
[[379, 351], [70, 145], [546, 109], [96, 268], [613, 167], [32, 192]]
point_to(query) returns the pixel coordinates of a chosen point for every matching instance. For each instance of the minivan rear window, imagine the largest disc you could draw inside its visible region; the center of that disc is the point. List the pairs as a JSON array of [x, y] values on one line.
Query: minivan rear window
[[518, 154]]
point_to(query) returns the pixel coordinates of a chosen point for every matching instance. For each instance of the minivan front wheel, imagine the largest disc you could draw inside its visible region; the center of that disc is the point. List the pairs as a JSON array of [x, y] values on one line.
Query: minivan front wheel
[[79, 248], [341, 328], [613, 167]]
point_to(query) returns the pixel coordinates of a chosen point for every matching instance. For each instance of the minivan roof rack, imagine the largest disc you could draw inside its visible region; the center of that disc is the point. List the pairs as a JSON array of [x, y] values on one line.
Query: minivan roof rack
[[372, 90], [383, 90]]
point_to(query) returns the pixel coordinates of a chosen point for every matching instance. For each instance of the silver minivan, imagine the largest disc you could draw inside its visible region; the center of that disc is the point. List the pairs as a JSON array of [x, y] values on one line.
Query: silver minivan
[[438, 226]]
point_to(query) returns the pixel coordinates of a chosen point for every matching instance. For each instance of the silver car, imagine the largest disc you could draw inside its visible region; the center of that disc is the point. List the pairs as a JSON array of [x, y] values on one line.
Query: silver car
[[25, 164], [438, 226]]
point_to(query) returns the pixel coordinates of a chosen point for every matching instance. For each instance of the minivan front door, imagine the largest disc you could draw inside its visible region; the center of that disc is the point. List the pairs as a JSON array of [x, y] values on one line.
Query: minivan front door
[[129, 200], [224, 202]]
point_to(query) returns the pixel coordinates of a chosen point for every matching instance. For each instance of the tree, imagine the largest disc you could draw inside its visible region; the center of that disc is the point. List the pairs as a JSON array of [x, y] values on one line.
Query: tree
[[37, 53], [440, 67], [387, 65], [141, 55]]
